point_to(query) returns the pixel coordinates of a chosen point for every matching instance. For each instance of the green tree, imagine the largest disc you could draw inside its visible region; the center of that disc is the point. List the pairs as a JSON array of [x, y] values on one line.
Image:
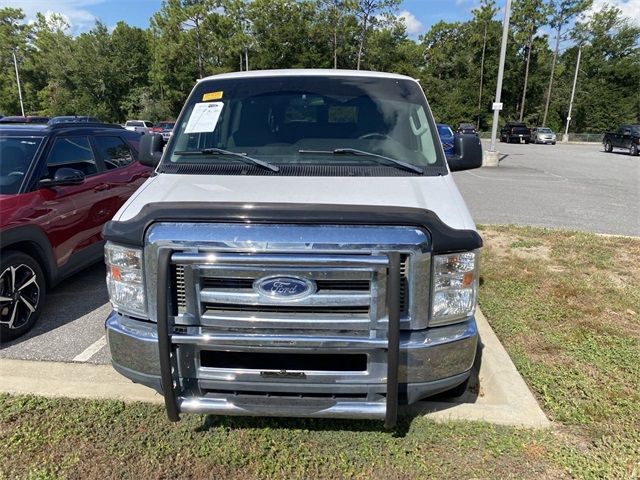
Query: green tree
[[609, 75], [48, 69], [562, 13], [389, 49], [14, 37], [527, 17], [240, 40], [287, 34], [189, 40], [336, 14], [371, 14], [483, 18]]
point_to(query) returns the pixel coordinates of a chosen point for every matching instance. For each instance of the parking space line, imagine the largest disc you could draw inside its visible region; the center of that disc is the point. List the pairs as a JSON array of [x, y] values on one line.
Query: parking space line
[[91, 350]]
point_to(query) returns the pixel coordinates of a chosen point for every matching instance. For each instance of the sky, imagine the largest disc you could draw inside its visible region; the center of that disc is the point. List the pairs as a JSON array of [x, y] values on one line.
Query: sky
[[418, 15]]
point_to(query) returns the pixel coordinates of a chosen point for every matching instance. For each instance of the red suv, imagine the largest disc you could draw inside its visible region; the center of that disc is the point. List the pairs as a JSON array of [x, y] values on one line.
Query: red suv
[[58, 186]]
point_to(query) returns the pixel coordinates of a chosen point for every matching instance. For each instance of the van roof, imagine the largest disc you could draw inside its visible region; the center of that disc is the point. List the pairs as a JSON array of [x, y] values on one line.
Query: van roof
[[296, 72]]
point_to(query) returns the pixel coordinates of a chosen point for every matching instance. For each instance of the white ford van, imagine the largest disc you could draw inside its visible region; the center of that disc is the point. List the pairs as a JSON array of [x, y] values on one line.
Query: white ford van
[[301, 251]]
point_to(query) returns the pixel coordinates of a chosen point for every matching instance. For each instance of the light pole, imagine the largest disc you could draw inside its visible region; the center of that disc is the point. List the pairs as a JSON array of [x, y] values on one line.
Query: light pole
[[15, 64], [565, 137], [491, 156]]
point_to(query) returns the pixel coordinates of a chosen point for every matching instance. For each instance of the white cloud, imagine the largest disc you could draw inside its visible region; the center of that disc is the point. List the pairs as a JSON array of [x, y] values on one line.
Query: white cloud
[[75, 12], [413, 25], [629, 8]]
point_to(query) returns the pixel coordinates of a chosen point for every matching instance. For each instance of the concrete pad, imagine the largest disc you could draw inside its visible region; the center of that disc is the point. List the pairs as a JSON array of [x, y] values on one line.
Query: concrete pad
[[490, 158], [501, 395], [73, 380], [497, 392]]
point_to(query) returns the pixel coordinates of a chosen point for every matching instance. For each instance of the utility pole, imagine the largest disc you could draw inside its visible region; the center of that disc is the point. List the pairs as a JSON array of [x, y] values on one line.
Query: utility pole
[[15, 63], [246, 58], [491, 156], [565, 137]]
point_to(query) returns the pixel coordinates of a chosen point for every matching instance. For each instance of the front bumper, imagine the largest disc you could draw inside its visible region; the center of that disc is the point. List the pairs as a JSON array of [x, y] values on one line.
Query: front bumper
[[430, 361]]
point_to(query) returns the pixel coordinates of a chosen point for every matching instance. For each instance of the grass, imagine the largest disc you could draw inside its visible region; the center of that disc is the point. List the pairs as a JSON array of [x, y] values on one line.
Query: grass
[[565, 305], [57, 438], [569, 315]]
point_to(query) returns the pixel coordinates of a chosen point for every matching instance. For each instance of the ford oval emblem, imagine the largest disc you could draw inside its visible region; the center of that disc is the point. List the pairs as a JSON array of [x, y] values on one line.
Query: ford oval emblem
[[284, 288]]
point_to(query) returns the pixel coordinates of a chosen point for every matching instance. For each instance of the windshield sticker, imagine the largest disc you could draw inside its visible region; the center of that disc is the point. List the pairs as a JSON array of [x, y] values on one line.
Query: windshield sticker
[[212, 96], [204, 117]]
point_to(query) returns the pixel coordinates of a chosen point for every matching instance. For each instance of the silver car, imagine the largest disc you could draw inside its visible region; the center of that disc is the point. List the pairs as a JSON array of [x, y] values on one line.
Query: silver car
[[543, 135]]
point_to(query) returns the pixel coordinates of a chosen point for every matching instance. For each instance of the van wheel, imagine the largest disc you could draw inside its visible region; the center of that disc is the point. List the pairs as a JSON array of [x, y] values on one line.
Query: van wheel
[[22, 292], [608, 147], [633, 150]]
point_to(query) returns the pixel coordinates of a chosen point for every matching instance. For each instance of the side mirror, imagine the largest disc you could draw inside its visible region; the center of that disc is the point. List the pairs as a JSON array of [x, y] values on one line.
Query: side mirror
[[150, 150], [64, 176], [467, 153]]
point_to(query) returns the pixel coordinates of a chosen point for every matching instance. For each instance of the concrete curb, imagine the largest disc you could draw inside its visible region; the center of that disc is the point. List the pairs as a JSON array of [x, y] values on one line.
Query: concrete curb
[[73, 380], [504, 397]]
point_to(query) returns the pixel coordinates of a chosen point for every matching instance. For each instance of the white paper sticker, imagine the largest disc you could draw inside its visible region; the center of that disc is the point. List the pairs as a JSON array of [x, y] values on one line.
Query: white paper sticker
[[204, 117]]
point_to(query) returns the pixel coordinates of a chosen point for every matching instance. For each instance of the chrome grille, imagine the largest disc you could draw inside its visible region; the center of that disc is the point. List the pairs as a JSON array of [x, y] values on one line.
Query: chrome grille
[[212, 308], [247, 284], [240, 286], [210, 294], [226, 297], [404, 284], [180, 289]]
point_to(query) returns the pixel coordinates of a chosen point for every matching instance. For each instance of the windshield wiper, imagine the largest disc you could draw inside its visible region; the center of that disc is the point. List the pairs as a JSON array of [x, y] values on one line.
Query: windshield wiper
[[353, 151], [220, 151]]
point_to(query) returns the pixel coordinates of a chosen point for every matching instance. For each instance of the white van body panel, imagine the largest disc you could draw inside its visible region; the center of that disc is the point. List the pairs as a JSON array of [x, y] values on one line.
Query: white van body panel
[[438, 194]]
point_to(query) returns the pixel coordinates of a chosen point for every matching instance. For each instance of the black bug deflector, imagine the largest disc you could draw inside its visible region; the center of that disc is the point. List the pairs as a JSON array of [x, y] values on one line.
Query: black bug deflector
[[444, 238]]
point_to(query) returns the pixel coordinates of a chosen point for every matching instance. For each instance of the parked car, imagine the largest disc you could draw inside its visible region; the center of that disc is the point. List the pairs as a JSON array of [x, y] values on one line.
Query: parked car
[[165, 129], [627, 137], [58, 185], [28, 119], [515, 132], [73, 119], [302, 251], [446, 137], [143, 127], [543, 135], [467, 129]]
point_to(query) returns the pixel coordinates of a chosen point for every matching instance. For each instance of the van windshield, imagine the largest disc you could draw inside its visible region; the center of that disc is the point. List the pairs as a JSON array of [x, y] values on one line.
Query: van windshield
[[307, 120]]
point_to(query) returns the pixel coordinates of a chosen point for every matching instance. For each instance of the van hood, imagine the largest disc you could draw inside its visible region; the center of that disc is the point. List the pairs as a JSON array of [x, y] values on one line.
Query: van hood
[[437, 193]]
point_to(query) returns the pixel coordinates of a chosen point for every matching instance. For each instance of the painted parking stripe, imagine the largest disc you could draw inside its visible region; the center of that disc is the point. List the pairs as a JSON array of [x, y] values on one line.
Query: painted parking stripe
[[91, 350]]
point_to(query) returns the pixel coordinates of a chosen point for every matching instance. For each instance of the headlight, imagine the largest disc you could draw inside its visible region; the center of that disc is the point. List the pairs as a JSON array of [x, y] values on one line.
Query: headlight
[[455, 286], [125, 279]]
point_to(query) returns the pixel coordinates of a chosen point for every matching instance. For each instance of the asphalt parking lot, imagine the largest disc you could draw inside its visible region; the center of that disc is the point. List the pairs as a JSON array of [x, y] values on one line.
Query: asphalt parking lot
[[571, 186], [568, 186]]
